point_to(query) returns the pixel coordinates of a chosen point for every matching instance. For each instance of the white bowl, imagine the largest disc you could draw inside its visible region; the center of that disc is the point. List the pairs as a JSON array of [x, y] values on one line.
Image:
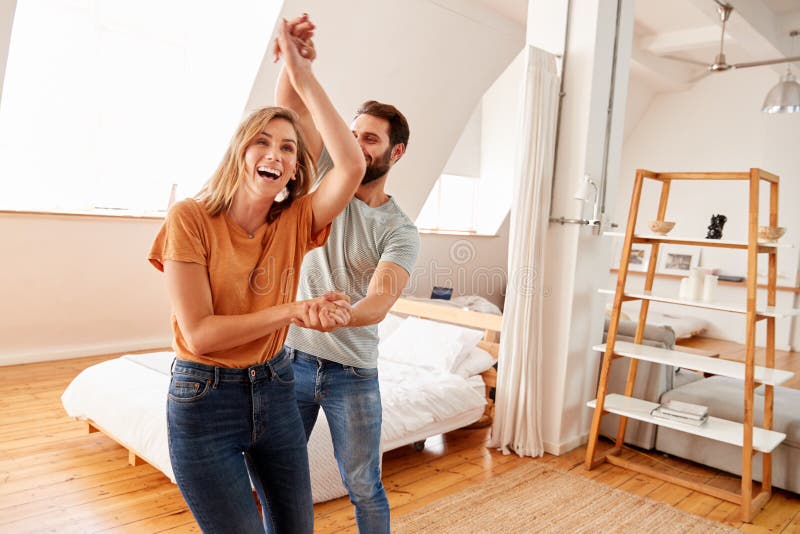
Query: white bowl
[[661, 227]]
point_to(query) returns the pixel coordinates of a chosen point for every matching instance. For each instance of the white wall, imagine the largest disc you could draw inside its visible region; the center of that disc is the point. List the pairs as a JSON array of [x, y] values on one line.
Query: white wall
[[640, 96], [74, 286], [465, 160], [471, 265], [716, 126], [500, 120]]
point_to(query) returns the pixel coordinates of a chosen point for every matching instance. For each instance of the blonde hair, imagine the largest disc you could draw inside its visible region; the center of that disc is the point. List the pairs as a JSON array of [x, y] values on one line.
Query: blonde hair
[[217, 193]]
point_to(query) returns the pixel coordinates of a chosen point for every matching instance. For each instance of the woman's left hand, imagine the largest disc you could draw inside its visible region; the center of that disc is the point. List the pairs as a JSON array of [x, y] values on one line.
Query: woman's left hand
[[296, 52], [327, 313], [301, 30]]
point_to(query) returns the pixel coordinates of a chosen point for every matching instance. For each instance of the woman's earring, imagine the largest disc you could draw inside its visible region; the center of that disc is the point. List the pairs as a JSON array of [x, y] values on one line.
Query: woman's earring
[[282, 195]]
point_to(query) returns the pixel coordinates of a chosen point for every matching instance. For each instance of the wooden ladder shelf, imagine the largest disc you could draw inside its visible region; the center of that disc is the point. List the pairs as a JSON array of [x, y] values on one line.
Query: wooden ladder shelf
[[752, 440]]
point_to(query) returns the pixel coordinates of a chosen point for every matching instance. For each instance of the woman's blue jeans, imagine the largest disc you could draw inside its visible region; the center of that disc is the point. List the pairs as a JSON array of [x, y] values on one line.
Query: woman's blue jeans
[[351, 399], [228, 426]]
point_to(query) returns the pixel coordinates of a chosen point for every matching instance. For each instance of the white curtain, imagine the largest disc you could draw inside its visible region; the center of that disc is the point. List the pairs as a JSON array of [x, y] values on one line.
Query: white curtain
[[518, 401]]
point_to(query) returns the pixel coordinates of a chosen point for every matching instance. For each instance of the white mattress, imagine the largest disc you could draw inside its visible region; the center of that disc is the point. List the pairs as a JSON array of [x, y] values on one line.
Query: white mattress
[[126, 397]]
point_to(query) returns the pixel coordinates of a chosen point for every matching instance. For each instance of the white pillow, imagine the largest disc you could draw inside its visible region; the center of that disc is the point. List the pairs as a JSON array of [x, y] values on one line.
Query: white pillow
[[388, 325], [429, 344], [476, 362]]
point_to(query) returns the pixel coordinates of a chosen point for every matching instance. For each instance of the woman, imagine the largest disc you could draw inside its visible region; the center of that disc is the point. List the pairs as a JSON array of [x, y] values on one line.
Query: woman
[[231, 258]]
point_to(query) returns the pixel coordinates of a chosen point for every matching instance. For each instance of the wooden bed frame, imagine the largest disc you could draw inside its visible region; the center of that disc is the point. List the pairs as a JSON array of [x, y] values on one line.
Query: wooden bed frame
[[491, 325], [488, 322]]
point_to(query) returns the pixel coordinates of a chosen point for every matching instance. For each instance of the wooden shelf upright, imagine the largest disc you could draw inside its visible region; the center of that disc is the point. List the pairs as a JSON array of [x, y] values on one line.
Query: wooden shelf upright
[[752, 440]]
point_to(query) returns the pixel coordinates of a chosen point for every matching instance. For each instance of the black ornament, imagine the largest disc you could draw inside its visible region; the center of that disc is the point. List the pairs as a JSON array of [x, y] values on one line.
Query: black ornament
[[715, 228]]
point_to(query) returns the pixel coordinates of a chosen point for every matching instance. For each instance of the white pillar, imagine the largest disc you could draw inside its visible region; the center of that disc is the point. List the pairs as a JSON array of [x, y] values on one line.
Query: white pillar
[[577, 259]]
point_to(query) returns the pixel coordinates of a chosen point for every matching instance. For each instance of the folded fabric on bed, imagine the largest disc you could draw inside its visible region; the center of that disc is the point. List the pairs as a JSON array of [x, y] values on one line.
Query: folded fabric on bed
[[429, 344]]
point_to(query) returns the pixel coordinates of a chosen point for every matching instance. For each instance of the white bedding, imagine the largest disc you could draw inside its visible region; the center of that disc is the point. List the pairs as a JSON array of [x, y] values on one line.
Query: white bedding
[[126, 397]]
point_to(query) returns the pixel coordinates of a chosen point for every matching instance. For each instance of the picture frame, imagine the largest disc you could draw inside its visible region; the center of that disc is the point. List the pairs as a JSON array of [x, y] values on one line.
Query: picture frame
[[639, 258], [678, 259]]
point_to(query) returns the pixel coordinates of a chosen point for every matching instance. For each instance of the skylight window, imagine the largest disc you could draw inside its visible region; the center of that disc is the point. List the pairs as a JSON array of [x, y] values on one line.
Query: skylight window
[[473, 193], [451, 205], [107, 104]]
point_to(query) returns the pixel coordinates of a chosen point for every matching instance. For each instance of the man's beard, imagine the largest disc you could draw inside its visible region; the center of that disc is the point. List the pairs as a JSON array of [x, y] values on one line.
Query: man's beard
[[378, 168]]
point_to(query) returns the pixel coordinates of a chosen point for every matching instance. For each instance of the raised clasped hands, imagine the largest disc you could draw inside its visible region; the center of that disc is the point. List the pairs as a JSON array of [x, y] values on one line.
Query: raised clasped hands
[[294, 42], [326, 313]]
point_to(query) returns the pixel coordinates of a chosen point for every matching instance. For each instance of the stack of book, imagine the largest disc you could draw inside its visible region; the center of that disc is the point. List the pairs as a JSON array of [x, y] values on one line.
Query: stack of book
[[683, 412]]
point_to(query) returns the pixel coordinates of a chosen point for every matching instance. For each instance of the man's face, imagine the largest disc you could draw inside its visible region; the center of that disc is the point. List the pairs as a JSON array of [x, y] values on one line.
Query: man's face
[[372, 134]]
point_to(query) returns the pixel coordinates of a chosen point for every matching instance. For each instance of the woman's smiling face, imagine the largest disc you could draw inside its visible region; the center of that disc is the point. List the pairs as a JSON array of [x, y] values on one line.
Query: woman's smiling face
[[271, 159]]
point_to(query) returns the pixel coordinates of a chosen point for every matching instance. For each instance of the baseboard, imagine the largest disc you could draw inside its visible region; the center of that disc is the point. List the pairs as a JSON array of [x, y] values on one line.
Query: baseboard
[[46, 354], [557, 449]]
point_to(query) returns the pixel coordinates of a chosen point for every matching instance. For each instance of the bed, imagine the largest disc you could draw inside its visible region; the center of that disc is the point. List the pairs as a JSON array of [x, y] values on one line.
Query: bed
[[125, 398]]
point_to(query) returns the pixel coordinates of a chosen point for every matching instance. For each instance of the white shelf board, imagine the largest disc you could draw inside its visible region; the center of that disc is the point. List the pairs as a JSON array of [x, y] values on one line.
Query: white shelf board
[[698, 241], [769, 311], [716, 366], [716, 429]]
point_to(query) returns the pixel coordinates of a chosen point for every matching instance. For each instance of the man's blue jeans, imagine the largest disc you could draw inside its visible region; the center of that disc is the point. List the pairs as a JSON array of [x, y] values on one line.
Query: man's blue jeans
[[225, 424], [352, 403]]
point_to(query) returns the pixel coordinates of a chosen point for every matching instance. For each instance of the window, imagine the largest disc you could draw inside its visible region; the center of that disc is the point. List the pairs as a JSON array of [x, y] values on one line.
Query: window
[[108, 104], [451, 206], [473, 194]]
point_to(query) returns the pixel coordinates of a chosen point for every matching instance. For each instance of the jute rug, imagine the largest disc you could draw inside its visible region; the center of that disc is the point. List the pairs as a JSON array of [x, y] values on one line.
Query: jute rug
[[537, 498]]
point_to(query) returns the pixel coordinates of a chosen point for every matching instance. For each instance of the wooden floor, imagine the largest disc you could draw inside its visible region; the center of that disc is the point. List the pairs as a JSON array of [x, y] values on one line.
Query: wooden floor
[[55, 477]]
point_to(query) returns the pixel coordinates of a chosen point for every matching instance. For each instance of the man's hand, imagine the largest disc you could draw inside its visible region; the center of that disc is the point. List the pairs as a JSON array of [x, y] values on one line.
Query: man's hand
[[337, 296], [326, 313], [300, 32], [291, 49]]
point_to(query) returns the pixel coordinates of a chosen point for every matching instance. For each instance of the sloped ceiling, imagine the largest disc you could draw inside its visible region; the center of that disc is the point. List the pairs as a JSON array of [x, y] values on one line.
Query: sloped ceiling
[[433, 59]]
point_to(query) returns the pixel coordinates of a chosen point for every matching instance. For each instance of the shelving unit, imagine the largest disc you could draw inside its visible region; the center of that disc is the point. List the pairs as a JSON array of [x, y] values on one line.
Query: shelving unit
[[753, 440]]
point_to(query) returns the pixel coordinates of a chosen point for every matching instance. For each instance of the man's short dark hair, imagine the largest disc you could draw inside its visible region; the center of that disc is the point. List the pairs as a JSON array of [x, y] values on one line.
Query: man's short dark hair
[[398, 125]]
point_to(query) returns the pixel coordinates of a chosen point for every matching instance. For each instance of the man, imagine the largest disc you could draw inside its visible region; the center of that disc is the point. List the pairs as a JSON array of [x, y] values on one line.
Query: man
[[370, 254]]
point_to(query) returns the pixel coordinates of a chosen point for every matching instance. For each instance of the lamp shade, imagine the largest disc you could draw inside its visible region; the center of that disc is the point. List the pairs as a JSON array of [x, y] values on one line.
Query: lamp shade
[[585, 189], [784, 97]]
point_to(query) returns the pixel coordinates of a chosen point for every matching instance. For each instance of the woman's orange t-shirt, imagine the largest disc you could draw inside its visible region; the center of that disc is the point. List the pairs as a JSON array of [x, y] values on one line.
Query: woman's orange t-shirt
[[245, 274]]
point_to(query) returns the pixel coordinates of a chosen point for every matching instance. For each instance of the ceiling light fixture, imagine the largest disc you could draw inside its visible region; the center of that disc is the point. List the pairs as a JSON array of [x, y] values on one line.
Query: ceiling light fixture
[[784, 97]]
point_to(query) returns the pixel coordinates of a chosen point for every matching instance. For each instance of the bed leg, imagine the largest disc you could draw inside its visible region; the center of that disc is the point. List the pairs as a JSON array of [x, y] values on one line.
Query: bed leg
[[134, 460]]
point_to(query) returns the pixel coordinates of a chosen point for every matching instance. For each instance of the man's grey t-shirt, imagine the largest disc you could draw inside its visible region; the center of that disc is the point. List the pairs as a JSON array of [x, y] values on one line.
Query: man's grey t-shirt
[[361, 236]]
